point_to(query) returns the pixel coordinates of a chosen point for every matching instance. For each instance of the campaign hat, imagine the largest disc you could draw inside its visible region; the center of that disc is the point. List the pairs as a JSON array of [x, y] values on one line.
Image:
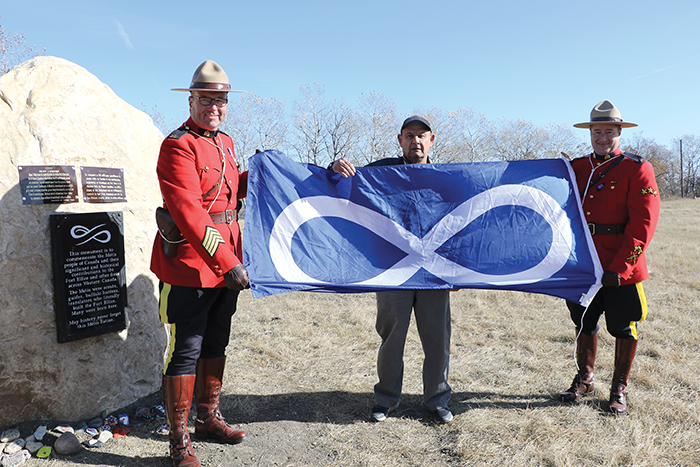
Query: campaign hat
[[209, 76], [605, 112]]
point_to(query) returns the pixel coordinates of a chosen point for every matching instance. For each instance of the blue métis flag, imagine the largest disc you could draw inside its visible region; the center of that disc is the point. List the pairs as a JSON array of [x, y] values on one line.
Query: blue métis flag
[[495, 225]]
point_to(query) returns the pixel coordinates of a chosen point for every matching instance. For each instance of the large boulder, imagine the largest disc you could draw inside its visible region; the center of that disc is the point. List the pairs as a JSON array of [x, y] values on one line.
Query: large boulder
[[53, 112]]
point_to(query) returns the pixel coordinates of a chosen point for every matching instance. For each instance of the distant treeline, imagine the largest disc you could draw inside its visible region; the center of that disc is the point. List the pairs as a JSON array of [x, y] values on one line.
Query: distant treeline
[[317, 131]]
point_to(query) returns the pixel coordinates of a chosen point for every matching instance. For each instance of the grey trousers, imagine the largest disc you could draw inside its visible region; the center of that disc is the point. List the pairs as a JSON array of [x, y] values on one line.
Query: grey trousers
[[432, 311]]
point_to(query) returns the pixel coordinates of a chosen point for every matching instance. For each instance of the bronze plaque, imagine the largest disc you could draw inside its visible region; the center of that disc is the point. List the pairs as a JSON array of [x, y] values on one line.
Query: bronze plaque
[[103, 185], [48, 184]]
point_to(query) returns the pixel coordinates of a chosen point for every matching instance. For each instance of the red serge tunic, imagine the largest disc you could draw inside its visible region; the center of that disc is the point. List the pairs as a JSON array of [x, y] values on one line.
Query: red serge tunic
[[189, 165], [627, 194]]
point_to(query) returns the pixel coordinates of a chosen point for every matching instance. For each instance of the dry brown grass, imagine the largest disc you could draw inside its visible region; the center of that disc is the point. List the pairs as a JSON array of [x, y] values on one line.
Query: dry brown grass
[[302, 365], [310, 359]]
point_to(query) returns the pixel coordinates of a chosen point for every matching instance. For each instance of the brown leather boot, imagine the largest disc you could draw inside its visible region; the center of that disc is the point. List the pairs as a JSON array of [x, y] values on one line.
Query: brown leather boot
[[210, 423], [177, 399], [586, 349], [625, 350]]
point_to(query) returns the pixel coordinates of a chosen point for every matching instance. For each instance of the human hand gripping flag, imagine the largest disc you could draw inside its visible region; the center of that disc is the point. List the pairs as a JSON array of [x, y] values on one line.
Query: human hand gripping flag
[[495, 225]]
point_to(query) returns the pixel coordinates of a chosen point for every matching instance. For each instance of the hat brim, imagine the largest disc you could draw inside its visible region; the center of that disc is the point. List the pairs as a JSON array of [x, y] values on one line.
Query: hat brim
[[620, 124], [204, 89]]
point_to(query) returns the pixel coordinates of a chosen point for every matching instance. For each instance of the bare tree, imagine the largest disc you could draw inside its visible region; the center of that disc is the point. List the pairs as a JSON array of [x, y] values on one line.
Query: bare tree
[[342, 132], [472, 135], [515, 140], [522, 140], [255, 123], [665, 165], [165, 126], [15, 50], [377, 128], [562, 140], [309, 116]]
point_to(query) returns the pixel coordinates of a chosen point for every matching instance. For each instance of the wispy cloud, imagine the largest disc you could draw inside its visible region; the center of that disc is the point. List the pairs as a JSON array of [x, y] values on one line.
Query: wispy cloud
[[666, 68], [123, 34]]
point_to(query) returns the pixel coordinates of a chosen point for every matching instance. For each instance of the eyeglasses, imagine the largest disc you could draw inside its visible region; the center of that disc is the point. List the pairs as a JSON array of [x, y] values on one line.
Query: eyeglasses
[[207, 101]]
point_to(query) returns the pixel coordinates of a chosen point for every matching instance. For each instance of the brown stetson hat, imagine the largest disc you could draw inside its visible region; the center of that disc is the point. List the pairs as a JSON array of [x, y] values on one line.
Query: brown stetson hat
[[209, 76], [605, 112]]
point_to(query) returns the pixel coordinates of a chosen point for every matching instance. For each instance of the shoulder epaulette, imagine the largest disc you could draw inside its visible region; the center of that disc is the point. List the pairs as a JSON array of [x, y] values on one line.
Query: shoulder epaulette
[[635, 157], [177, 134]]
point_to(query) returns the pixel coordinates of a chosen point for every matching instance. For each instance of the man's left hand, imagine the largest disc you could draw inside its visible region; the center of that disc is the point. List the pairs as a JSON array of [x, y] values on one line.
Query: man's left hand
[[610, 279]]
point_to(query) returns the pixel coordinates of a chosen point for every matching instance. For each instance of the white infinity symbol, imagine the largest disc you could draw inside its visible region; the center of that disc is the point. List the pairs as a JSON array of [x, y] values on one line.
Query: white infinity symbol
[[80, 231], [421, 251]]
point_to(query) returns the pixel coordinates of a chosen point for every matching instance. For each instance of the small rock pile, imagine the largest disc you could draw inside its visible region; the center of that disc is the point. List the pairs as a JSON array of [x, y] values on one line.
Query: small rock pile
[[68, 440], [14, 449]]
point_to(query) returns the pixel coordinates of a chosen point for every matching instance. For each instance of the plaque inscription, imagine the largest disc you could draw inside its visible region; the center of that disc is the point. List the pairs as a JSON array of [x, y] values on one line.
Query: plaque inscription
[[48, 184], [89, 274], [103, 185]]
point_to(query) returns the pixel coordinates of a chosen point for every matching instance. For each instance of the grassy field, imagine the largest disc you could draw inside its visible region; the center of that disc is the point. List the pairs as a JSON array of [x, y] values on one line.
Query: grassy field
[[512, 353], [301, 368]]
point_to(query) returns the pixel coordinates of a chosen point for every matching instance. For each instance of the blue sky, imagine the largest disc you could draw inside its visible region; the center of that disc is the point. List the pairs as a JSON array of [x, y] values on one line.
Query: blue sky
[[542, 61]]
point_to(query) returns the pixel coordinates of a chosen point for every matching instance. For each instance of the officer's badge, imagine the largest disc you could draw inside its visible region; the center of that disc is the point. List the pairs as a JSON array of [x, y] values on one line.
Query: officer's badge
[[650, 191]]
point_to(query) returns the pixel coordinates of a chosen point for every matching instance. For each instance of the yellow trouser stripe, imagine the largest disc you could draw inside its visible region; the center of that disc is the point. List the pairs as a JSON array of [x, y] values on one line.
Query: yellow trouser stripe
[[163, 302], [643, 303], [164, 294]]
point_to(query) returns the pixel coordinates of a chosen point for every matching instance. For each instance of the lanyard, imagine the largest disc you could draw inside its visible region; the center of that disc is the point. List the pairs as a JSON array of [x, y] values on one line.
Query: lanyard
[[613, 162]]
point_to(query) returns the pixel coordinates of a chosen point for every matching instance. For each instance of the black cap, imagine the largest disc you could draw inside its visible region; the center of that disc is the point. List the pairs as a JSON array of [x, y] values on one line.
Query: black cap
[[416, 119]]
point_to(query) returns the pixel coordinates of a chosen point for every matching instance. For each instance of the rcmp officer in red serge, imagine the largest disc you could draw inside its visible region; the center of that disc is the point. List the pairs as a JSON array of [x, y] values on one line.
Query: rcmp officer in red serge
[[621, 202], [201, 272]]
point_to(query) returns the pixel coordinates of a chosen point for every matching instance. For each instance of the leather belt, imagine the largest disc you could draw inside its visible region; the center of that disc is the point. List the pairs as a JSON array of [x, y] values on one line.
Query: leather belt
[[225, 217], [598, 229]]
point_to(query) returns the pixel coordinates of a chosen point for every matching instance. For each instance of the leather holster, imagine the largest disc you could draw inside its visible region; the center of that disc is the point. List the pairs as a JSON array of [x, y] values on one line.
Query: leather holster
[[170, 233]]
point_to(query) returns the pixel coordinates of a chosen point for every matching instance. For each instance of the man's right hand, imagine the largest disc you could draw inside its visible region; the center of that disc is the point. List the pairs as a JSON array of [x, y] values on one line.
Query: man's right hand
[[344, 167], [610, 279], [237, 278]]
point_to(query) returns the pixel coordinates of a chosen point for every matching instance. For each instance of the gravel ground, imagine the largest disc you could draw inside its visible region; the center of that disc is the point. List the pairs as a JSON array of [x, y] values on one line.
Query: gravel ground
[[281, 437]]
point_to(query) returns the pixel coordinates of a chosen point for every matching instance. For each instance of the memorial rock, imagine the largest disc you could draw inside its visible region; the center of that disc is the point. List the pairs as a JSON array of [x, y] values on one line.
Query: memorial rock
[[55, 113]]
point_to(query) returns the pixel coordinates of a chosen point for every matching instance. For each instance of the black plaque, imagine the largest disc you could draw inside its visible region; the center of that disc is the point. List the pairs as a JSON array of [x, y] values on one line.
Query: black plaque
[[48, 184], [89, 274], [103, 185]]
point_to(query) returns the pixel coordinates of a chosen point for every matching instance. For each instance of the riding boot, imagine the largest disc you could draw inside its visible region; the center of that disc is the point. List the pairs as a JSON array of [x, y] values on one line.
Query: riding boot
[[625, 350], [586, 349], [207, 389], [177, 400]]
